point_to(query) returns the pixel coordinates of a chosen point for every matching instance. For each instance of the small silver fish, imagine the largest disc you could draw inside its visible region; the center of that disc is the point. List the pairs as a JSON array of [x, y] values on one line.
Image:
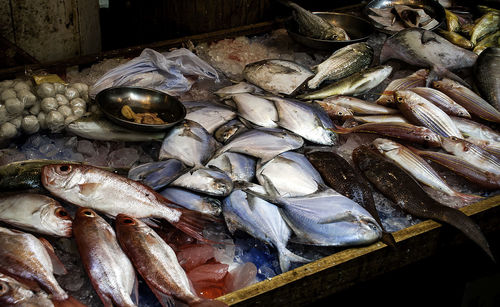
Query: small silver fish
[[209, 181], [193, 201], [381, 119], [238, 166], [474, 129], [442, 101], [416, 79], [208, 114], [256, 110], [359, 106]]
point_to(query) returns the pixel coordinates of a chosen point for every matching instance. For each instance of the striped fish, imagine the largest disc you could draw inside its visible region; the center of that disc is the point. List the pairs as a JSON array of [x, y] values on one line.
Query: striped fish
[[416, 79], [442, 101]]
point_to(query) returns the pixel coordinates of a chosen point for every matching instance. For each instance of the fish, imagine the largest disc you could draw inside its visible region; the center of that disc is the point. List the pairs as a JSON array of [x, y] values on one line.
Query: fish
[[35, 212], [193, 201], [456, 39], [308, 121], [414, 17], [471, 101], [420, 111], [100, 129], [263, 143], [237, 166], [110, 271], [356, 84], [111, 194], [190, 143], [442, 101], [210, 181], [406, 193], [256, 110], [452, 21], [490, 40], [483, 9], [488, 23], [395, 118], [238, 88], [230, 129], [461, 167], [414, 80], [277, 76], [343, 178], [342, 63], [334, 111], [358, 106], [403, 131], [208, 114], [470, 128], [418, 168], [262, 220], [157, 175], [426, 49], [14, 293], [487, 76], [489, 146]]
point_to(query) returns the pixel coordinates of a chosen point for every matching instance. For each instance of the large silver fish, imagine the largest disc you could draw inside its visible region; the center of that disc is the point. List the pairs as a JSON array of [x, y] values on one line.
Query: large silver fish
[[190, 143], [211, 181], [208, 114], [238, 166], [256, 110], [159, 174], [35, 212], [193, 201], [418, 78], [487, 75]]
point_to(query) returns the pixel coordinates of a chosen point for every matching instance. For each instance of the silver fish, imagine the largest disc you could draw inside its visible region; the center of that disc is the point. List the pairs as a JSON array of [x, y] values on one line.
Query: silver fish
[[306, 120], [256, 110], [359, 106], [416, 79], [238, 88], [188, 142], [476, 130], [238, 166], [442, 101], [381, 119], [159, 174], [277, 76], [193, 201], [209, 181], [209, 115], [487, 75], [16, 294], [230, 129]]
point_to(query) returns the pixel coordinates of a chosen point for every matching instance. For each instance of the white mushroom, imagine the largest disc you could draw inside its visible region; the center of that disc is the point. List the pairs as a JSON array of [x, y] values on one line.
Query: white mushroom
[[6, 83], [30, 124], [61, 99], [49, 104], [54, 121], [14, 106], [78, 111], [78, 102], [4, 116], [65, 111], [81, 88], [71, 93], [46, 90]]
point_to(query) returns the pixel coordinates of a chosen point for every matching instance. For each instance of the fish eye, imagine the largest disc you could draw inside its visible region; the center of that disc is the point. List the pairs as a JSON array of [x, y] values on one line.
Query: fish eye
[[61, 212], [340, 113], [427, 138], [3, 288], [454, 138], [64, 169], [400, 99], [87, 213], [128, 221], [436, 85]]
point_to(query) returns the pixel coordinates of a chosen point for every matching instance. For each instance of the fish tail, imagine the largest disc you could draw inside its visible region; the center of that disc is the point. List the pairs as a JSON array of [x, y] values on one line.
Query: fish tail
[[286, 256], [340, 129], [69, 302], [388, 239], [193, 223]]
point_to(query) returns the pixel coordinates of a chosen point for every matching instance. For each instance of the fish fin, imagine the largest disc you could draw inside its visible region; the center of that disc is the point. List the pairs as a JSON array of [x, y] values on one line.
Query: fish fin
[[340, 129], [164, 299], [388, 239], [193, 223], [87, 189], [286, 256], [190, 134], [428, 36], [151, 222], [57, 265], [69, 302], [135, 292]]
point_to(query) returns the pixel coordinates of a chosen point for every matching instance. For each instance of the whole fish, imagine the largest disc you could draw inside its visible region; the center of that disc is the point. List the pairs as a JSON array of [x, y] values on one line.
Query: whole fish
[[238, 166], [190, 143], [488, 23], [238, 88], [343, 178], [91, 187], [471, 101], [418, 168], [335, 112], [230, 129], [211, 181], [277, 76], [403, 131], [420, 111], [462, 167], [157, 175], [426, 49], [452, 22], [308, 121], [358, 106], [406, 193], [342, 63], [381, 119], [14, 293], [490, 40], [356, 84], [261, 220], [100, 129], [442, 101], [476, 130], [416, 79], [487, 76], [193, 201], [489, 146], [208, 114], [110, 271], [456, 39], [256, 110], [263, 143], [35, 212]]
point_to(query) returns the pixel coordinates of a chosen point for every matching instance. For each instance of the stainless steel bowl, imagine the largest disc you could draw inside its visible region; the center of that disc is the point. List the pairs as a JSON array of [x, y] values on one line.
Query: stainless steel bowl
[[431, 7], [140, 100], [357, 28]]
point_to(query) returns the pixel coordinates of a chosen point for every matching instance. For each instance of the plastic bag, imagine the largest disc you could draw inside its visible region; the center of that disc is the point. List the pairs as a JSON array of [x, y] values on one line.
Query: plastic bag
[[162, 71]]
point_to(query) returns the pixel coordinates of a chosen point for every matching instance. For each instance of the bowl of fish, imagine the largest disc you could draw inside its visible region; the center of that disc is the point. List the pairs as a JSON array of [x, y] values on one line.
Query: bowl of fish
[[392, 16], [347, 29], [140, 108]]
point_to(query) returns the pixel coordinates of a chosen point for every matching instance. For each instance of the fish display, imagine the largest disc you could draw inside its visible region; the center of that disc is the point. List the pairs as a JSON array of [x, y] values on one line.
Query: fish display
[[416, 79], [474, 129], [398, 17], [456, 39], [238, 88], [487, 75]]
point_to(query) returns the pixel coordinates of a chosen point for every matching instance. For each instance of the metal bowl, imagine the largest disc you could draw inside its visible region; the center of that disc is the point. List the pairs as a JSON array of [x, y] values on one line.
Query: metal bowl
[[140, 100], [357, 28], [431, 7]]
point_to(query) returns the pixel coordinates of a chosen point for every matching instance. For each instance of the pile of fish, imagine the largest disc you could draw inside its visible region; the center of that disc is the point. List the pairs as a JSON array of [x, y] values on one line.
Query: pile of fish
[[398, 17]]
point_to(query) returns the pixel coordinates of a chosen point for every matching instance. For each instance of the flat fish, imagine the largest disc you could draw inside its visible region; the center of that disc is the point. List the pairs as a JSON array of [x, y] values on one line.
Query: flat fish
[[208, 114], [210, 181], [256, 110], [193, 201], [157, 175], [238, 166]]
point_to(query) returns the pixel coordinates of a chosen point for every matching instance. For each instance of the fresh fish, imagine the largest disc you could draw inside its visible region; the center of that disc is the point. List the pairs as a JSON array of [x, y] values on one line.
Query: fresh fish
[[110, 271], [420, 111], [238, 88], [403, 131], [488, 23], [306, 120], [88, 186], [263, 143], [356, 84], [397, 185], [335, 112], [381, 119], [462, 167], [442, 101], [418, 168], [473, 154], [489, 146], [256, 110], [35, 212], [456, 39], [193, 201], [157, 175], [277, 76], [291, 174], [426, 49], [315, 26], [211, 181], [100, 129], [208, 114], [261, 220], [476, 130], [358, 106], [343, 178], [190, 143], [452, 21], [490, 40], [471, 101], [238, 166], [418, 78], [487, 76], [342, 63], [230, 129], [14, 293]]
